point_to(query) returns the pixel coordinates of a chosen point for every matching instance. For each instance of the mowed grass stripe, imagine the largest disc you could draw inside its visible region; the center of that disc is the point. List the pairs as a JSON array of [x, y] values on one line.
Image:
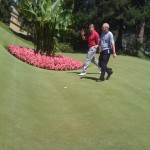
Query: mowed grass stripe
[[37, 112]]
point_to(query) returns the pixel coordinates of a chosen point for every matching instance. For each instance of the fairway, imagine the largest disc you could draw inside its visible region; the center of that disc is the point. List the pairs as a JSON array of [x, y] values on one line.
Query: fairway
[[52, 110]]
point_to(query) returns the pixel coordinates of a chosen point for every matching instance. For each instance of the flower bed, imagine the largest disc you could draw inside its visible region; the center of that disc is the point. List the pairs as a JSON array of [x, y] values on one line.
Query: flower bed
[[47, 62]]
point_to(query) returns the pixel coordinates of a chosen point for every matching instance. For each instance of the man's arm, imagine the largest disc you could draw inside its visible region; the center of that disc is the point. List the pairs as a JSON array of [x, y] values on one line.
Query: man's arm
[[100, 49], [113, 45], [114, 50]]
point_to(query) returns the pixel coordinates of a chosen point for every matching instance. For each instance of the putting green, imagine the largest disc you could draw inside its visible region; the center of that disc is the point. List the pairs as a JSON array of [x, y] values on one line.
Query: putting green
[[49, 110]]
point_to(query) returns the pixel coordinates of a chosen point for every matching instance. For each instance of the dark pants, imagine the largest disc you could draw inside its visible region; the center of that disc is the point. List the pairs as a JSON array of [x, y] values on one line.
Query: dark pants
[[103, 61]]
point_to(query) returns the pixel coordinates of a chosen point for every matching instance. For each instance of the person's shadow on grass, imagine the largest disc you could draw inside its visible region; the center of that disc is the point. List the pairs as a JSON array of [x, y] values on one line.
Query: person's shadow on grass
[[89, 78], [86, 77], [80, 72]]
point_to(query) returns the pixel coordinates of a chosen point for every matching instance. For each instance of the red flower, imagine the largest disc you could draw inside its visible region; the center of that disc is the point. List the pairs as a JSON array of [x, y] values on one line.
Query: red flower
[[47, 62]]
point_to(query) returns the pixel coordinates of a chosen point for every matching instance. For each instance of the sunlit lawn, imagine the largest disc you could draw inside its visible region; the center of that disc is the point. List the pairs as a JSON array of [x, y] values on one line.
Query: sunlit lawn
[[49, 110]]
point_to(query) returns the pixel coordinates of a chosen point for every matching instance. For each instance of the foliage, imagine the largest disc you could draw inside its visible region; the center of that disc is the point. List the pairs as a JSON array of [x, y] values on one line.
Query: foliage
[[147, 49], [49, 18], [126, 16], [5, 11], [64, 47]]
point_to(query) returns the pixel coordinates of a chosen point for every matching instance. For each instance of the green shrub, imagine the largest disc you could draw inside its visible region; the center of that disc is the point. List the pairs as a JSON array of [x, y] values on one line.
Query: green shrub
[[133, 49], [64, 47], [147, 48], [131, 46]]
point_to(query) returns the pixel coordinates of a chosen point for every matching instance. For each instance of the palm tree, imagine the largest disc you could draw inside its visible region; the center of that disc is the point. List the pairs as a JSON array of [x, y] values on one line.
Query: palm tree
[[49, 18]]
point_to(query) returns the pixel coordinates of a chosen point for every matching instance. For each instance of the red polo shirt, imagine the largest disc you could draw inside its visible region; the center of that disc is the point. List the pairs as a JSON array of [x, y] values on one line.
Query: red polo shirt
[[93, 39]]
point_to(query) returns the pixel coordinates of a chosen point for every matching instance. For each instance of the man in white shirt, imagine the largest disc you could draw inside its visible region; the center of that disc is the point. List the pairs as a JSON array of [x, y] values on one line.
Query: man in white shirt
[[106, 46]]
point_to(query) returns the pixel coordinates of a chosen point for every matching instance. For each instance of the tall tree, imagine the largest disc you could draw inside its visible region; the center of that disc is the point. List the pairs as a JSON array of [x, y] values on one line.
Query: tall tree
[[49, 18], [144, 6], [5, 11]]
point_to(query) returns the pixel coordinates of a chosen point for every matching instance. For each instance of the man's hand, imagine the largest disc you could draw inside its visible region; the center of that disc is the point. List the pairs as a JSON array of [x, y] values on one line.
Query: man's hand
[[82, 32], [114, 51], [114, 55], [96, 46], [82, 35], [99, 49]]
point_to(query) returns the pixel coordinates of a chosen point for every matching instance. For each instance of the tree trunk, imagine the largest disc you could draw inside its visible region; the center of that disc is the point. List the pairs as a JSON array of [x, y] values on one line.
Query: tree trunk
[[119, 46], [44, 42], [140, 37]]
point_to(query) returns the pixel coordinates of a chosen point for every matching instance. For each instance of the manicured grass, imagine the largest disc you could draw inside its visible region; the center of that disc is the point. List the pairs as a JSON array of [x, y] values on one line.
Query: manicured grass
[[38, 113]]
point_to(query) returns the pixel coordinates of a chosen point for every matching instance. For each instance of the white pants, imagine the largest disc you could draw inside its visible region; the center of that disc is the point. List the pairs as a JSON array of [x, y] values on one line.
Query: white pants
[[90, 57]]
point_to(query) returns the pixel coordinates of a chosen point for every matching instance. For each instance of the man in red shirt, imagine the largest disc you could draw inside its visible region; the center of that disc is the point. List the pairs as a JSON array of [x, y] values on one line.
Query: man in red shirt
[[93, 40]]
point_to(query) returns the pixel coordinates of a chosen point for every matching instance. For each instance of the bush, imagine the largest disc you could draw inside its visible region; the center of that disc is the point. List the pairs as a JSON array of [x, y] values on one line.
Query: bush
[[64, 47], [131, 46], [133, 49], [147, 49]]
